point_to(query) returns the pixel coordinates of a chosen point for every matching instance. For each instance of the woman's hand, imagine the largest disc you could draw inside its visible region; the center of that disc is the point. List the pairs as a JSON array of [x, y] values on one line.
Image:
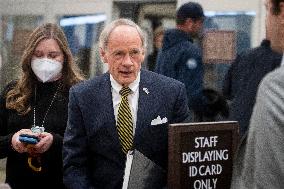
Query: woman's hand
[[18, 145], [46, 140]]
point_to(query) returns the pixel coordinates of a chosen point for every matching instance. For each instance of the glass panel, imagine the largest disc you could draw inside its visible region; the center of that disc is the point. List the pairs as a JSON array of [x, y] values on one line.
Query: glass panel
[[82, 33], [14, 32], [241, 24]]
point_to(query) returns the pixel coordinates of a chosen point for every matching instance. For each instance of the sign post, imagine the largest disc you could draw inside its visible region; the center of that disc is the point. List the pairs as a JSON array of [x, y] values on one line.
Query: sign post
[[201, 155]]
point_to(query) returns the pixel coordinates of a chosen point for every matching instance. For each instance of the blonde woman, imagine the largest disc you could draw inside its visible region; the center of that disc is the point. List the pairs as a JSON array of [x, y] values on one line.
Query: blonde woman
[[33, 111]]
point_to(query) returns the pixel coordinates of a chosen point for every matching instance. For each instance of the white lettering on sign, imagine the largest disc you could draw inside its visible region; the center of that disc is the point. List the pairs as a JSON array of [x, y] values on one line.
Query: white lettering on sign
[[210, 170], [192, 171], [205, 184], [203, 142], [213, 155], [205, 170], [206, 151]]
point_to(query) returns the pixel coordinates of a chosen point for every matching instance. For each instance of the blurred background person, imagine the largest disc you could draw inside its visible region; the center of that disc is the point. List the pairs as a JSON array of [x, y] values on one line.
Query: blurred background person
[[216, 107], [180, 58], [38, 98], [241, 84], [243, 77], [260, 161], [157, 45]]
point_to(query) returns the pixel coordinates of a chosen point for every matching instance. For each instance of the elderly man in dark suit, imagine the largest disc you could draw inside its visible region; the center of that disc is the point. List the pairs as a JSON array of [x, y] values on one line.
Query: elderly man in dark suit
[[104, 126]]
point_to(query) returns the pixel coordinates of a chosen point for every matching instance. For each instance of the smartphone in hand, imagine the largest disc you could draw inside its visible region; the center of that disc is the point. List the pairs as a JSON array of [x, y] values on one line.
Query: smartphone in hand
[[28, 139]]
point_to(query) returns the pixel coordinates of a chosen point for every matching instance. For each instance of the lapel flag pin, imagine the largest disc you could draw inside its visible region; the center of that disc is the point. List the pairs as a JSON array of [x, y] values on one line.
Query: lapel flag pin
[[146, 90]]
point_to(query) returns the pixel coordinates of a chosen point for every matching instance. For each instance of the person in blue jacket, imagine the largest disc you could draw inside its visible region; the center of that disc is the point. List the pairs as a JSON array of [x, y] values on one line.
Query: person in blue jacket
[[179, 58]]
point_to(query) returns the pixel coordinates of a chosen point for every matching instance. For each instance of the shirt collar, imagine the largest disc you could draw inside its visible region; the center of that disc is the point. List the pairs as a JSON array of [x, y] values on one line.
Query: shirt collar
[[117, 87], [282, 61]]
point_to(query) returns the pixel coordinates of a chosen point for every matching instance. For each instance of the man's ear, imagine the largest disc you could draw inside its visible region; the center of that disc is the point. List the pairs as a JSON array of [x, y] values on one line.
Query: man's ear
[[103, 55], [144, 51], [143, 55]]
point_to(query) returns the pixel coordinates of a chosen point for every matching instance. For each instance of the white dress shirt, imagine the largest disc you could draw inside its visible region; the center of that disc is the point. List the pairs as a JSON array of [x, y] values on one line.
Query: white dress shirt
[[132, 98]]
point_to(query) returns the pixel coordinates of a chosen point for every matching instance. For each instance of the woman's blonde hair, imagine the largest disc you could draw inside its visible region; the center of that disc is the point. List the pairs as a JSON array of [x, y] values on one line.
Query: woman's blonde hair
[[19, 97]]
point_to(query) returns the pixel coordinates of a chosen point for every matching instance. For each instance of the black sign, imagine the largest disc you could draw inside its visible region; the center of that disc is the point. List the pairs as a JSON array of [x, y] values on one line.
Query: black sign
[[201, 155]]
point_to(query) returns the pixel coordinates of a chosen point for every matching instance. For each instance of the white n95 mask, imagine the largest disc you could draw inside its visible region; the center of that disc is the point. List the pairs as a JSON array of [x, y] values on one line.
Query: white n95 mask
[[46, 69]]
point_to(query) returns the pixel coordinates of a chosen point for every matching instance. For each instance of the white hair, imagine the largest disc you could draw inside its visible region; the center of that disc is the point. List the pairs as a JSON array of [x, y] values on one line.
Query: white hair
[[103, 40]]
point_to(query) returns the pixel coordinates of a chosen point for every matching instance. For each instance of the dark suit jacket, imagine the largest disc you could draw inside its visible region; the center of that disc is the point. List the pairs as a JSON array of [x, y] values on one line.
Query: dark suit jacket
[[242, 80], [92, 153]]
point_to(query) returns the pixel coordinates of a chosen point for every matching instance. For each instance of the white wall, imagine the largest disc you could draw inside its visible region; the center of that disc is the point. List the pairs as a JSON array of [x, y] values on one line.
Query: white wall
[[258, 27], [52, 9]]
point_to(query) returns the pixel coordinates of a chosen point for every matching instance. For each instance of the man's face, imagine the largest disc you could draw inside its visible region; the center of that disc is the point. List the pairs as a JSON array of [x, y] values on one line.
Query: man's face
[[124, 54], [158, 41], [274, 29], [270, 19], [195, 27]]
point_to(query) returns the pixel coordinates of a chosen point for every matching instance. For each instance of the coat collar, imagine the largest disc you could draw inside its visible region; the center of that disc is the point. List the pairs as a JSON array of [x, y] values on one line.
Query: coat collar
[[108, 113]]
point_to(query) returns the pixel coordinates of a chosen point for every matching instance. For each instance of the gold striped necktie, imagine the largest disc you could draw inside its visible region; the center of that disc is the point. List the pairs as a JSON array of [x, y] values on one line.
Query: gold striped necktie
[[124, 121]]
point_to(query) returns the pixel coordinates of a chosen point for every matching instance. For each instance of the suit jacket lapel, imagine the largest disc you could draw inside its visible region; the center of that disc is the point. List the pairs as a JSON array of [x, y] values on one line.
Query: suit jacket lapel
[[145, 101], [108, 112]]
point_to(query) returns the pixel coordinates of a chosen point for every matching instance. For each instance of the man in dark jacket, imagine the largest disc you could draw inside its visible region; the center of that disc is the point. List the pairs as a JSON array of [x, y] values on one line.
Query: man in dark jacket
[[179, 58], [242, 80]]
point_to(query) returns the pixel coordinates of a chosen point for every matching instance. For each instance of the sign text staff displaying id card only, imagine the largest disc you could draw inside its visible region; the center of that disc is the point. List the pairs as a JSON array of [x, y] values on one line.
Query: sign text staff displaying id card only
[[201, 154]]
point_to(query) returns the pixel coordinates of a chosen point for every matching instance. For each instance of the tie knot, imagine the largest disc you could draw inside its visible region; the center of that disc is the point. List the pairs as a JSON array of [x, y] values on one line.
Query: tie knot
[[125, 91]]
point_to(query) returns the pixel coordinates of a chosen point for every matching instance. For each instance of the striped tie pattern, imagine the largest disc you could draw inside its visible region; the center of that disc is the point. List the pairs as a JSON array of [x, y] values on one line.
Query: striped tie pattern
[[124, 121]]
